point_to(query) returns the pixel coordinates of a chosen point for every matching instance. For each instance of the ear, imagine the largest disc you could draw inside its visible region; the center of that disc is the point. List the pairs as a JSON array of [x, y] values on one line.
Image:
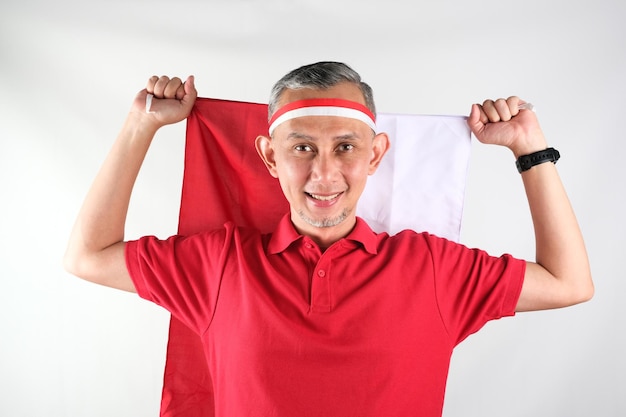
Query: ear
[[380, 146], [263, 145]]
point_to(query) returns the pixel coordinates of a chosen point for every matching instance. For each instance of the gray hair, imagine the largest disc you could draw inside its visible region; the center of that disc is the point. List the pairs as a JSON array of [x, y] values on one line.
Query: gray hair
[[319, 76]]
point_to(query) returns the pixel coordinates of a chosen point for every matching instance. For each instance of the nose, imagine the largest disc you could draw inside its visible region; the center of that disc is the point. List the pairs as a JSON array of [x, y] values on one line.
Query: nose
[[325, 168]]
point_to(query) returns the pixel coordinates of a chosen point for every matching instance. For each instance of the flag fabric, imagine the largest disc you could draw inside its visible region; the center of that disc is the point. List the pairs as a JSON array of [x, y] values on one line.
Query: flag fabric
[[420, 185]]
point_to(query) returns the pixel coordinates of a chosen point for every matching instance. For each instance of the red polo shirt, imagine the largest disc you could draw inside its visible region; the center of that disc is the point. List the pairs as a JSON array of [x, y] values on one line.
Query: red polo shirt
[[365, 328]]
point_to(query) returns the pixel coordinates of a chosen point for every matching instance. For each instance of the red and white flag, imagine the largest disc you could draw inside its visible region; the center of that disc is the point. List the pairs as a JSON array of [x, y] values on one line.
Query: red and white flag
[[420, 185]]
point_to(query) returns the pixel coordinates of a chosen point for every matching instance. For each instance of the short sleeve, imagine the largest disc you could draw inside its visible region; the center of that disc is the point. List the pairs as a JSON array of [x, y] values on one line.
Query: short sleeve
[[473, 287], [181, 274]]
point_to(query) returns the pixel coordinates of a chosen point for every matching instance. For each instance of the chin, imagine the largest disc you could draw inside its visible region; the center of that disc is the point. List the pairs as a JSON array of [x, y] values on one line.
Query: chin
[[325, 222]]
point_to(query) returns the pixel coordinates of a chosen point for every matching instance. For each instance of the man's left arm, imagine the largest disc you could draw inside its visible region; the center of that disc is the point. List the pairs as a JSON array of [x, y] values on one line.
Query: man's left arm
[[561, 275]]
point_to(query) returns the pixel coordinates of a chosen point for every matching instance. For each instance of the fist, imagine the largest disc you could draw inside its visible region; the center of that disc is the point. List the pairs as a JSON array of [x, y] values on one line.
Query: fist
[[507, 122], [166, 100]]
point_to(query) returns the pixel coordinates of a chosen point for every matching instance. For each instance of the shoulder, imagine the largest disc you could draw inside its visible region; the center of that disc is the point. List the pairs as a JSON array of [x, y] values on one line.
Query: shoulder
[[425, 244], [411, 237], [377, 241], [227, 233], [408, 244]]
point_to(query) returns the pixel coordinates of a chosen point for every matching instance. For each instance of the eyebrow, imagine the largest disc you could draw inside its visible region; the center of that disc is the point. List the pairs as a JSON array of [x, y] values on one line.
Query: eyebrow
[[297, 135], [300, 136]]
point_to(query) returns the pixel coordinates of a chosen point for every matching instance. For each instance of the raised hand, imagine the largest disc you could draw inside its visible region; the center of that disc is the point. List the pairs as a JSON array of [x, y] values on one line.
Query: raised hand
[[165, 100], [502, 122]]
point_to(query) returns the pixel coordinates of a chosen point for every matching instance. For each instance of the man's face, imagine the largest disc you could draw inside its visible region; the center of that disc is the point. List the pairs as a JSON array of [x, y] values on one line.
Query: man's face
[[322, 163]]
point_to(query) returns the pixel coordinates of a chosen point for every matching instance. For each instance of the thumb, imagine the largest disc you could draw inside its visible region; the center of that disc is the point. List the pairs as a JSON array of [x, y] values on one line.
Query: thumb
[[190, 92], [474, 121]]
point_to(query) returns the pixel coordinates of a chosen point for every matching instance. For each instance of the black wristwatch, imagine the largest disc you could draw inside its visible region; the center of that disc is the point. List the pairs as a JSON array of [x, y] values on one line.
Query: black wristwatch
[[526, 162]]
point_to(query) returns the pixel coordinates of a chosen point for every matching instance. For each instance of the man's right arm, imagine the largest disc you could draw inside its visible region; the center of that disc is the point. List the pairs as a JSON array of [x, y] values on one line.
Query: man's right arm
[[95, 250]]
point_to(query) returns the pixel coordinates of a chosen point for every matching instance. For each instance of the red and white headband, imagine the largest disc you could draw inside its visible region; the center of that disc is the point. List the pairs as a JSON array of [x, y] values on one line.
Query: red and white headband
[[322, 107]]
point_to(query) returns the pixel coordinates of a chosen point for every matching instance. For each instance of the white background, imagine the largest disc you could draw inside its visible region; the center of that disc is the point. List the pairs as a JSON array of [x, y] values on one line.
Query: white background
[[68, 73]]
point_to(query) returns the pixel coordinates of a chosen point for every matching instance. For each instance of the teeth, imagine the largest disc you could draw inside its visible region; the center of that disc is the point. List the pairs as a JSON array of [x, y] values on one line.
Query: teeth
[[324, 197]]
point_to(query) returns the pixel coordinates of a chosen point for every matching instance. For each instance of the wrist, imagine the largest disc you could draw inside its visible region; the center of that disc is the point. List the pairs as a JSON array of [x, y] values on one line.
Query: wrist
[[527, 141], [528, 148], [141, 125]]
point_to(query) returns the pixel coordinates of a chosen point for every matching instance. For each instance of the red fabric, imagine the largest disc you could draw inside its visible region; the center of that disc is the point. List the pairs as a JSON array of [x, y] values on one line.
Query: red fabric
[[224, 180], [235, 183], [365, 328]]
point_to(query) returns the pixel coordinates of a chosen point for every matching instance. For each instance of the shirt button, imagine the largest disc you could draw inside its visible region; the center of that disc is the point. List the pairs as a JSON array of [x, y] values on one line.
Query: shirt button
[[308, 246], [321, 273]]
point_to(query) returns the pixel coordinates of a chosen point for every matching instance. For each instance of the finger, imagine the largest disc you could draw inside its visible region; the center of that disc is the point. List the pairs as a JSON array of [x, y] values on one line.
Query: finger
[[190, 92], [180, 92], [150, 85], [190, 86], [502, 108], [166, 87], [514, 103], [477, 119], [489, 108], [186, 88], [159, 86], [172, 87], [483, 116], [477, 115]]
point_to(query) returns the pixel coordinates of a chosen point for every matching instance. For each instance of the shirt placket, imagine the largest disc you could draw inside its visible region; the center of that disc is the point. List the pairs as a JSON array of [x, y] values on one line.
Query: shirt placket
[[319, 280], [321, 286]]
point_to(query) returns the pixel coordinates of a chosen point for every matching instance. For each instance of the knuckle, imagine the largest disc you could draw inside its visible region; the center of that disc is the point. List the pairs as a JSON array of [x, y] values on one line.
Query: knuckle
[[500, 102]]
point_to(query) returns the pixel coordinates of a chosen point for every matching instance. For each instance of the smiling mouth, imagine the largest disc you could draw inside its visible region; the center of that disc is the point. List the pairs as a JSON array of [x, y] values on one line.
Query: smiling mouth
[[324, 197]]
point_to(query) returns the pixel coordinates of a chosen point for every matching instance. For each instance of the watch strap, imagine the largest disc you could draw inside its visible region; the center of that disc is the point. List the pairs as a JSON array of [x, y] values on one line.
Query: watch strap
[[526, 162]]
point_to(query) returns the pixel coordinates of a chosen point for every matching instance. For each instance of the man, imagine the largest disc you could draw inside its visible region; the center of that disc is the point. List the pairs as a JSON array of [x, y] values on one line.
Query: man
[[323, 317]]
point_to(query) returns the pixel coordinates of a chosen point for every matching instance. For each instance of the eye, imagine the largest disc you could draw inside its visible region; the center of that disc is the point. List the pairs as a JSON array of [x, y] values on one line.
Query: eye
[[303, 148], [345, 147]]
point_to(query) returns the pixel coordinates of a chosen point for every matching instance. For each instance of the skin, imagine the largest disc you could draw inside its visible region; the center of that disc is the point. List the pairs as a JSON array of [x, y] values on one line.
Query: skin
[[322, 164]]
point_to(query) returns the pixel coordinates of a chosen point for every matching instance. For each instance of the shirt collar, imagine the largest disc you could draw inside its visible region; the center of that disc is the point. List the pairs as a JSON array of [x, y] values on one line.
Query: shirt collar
[[285, 234]]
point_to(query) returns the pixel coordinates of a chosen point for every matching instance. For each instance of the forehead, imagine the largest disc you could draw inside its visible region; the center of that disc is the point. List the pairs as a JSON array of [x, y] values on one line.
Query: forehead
[[322, 128], [344, 90]]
